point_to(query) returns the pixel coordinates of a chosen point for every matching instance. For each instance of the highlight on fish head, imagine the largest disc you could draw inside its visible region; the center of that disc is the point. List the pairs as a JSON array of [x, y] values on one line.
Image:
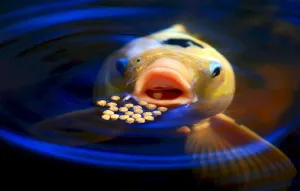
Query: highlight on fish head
[[171, 68]]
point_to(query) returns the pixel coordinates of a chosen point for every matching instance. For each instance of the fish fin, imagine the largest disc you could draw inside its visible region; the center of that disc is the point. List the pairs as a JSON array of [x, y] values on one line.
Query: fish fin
[[77, 128], [179, 28], [232, 155], [176, 30]]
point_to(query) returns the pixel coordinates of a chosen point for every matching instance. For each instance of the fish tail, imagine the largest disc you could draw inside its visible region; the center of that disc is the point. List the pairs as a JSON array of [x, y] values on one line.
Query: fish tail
[[238, 158]]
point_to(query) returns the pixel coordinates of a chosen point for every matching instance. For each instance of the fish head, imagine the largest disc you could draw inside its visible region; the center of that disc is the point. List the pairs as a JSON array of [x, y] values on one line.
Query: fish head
[[171, 68]]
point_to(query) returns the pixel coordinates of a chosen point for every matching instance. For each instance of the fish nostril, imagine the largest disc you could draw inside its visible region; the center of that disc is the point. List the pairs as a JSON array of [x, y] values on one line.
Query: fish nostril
[[121, 65]]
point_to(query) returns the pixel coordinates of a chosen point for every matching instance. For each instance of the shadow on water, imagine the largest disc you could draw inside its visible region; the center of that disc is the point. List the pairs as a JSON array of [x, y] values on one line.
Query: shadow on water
[[51, 53]]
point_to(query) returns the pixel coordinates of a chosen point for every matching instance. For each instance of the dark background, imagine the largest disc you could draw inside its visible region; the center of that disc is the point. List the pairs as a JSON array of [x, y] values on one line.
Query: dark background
[[241, 29]]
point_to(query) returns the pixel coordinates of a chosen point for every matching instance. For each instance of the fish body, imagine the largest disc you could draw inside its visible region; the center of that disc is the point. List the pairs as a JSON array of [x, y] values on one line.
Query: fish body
[[171, 68]]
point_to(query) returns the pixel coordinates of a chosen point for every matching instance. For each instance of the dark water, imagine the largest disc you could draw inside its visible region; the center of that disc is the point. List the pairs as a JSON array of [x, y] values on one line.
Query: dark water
[[51, 53]]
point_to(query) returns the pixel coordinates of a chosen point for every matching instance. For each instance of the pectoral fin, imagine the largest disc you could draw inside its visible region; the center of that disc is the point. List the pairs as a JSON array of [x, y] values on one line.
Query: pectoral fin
[[242, 159]]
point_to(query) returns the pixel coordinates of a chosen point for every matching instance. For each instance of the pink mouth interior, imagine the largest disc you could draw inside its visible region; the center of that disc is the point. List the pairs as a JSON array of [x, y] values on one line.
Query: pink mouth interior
[[163, 86], [167, 94]]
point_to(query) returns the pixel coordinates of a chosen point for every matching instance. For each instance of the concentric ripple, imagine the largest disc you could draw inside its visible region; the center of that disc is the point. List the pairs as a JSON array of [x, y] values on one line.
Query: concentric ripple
[[55, 58], [130, 161]]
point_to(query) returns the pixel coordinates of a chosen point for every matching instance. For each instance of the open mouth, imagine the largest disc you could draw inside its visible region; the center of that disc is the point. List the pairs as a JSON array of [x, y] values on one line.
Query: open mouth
[[163, 86], [162, 93]]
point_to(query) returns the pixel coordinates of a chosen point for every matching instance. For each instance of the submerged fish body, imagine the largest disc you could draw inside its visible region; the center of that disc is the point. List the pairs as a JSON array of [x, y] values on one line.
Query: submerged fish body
[[171, 68]]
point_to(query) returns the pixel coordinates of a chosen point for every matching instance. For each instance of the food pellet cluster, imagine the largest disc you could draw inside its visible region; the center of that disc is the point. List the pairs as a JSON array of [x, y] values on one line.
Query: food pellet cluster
[[129, 111], [114, 108], [115, 98], [124, 117]]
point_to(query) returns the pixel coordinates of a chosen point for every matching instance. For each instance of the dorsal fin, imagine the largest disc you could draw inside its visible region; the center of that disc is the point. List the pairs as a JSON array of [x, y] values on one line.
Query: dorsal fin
[[179, 28]]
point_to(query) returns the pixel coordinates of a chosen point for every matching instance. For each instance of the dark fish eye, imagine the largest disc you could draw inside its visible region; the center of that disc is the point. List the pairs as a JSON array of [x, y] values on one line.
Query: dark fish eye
[[216, 72], [138, 60], [215, 69]]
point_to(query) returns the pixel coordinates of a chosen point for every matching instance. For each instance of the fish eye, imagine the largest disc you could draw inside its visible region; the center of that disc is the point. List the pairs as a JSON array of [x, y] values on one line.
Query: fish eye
[[138, 60], [215, 69]]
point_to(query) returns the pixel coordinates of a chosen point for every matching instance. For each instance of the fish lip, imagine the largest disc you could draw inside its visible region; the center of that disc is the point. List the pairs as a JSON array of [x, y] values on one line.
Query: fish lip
[[179, 81]]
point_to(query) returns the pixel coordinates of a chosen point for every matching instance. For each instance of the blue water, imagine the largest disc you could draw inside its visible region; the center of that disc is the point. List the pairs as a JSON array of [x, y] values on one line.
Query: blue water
[[51, 54]]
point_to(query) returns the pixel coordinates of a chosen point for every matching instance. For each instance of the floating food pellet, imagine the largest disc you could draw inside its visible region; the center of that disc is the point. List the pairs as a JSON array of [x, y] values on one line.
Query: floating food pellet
[[105, 117], [140, 120], [147, 113], [162, 109], [108, 112], [129, 113], [157, 112], [136, 116], [128, 105], [137, 107], [101, 102], [123, 109], [138, 111], [149, 118], [130, 120], [110, 104], [115, 98], [124, 117], [114, 117], [114, 108], [151, 106], [143, 103], [157, 95]]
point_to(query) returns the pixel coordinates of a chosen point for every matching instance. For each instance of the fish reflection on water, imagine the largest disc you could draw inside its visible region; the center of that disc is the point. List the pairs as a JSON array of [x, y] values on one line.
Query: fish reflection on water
[[172, 69], [169, 68]]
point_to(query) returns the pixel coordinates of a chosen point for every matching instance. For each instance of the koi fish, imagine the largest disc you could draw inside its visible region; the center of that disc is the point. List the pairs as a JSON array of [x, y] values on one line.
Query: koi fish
[[171, 68]]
